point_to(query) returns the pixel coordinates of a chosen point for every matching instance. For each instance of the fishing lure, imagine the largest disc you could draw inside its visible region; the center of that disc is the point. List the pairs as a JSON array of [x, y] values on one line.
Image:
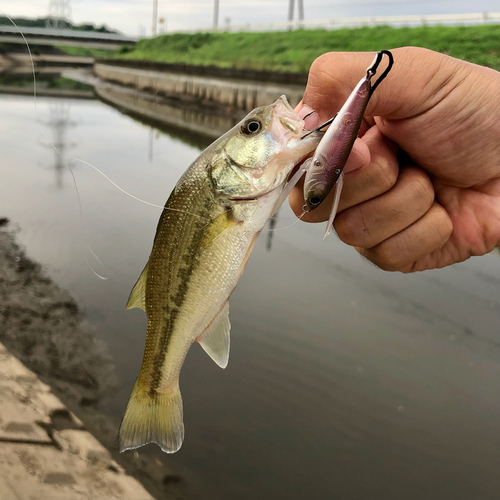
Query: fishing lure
[[324, 171]]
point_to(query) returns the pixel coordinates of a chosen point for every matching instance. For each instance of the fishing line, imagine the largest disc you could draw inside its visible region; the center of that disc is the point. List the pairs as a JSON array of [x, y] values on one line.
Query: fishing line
[[290, 225], [82, 222], [68, 163], [131, 195]]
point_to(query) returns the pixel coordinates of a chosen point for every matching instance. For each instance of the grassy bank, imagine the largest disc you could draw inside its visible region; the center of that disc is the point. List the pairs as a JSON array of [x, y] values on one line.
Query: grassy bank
[[82, 51], [296, 50]]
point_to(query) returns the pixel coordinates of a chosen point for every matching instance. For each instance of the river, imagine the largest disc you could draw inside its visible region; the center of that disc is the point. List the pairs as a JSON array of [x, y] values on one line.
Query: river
[[344, 381]]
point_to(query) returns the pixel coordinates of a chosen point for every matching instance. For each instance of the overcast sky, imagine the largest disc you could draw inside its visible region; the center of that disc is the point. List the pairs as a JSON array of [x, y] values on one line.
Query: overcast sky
[[128, 16]]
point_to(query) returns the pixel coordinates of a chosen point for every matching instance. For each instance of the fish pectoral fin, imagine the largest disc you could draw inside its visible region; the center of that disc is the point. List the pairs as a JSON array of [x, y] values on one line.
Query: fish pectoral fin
[[215, 339], [337, 191], [137, 296], [217, 226]]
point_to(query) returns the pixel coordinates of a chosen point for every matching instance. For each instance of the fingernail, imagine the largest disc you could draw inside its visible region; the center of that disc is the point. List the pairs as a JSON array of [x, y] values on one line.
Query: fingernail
[[312, 121], [354, 162]]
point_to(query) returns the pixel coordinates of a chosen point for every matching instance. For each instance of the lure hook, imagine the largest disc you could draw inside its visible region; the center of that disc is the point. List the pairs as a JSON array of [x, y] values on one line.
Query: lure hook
[[370, 73], [318, 129], [372, 69], [309, 114]]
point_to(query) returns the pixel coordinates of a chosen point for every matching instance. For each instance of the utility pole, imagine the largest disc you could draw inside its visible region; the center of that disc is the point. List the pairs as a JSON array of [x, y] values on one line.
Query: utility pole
[[216, 14], [291, 6], [155, 17]]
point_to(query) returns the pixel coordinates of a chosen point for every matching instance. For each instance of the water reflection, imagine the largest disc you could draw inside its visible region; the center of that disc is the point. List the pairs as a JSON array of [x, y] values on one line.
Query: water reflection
[[271, 226], [49, 82], [344, 381], [59, 121], [199, 126]]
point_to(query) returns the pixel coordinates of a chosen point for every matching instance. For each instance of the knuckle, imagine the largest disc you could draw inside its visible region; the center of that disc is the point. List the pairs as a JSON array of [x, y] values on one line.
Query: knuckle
[[387, 172], [350, 226], [389, 255], [422, 188], [443, 225], [321, 64], [322, 81]]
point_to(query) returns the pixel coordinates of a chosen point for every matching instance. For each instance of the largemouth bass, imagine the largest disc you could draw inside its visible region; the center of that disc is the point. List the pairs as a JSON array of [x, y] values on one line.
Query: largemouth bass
[[203, 240]]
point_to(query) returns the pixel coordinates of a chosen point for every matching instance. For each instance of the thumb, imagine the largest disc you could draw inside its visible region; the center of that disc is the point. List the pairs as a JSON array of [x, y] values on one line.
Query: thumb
[[419, 79]]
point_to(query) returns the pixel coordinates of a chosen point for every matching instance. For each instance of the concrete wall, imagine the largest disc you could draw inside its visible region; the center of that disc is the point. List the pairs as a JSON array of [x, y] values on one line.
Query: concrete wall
[[241, 94], [185, 118]]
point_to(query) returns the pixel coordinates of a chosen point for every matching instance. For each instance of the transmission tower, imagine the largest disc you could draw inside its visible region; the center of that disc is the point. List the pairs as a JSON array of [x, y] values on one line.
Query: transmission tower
[[59, 14], [59, 121]]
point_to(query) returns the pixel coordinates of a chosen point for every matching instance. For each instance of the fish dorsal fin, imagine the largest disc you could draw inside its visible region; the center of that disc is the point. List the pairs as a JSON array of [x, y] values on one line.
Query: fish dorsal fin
[[215, 339], [138, 294]]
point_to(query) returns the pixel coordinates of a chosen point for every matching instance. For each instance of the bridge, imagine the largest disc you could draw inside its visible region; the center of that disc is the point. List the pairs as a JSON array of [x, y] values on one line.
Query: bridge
[[65, 38]]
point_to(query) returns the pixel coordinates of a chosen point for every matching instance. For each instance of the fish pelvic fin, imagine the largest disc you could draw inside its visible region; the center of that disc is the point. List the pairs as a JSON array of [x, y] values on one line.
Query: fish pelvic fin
[[137, 296], [153, 418], [215, 339]]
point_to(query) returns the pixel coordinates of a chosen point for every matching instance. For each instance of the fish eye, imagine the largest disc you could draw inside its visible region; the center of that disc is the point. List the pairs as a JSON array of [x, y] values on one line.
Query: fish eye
[[314, 201], [251, 126]]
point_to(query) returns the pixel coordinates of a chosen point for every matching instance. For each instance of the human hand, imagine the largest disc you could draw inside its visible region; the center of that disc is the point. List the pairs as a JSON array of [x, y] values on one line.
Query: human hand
[[422, 184]]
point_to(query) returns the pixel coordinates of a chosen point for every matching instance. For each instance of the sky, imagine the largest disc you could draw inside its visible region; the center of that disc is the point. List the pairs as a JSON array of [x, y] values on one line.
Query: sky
[[132, 16]]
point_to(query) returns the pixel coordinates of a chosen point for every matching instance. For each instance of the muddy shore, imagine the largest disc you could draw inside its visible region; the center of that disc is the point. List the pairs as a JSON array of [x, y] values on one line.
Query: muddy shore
[[42, 326]]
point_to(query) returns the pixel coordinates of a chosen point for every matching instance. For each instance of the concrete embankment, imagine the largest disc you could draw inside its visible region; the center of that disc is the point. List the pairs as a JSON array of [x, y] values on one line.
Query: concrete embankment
[[185, 116], [53, 367], [45, 451], [232, 88]]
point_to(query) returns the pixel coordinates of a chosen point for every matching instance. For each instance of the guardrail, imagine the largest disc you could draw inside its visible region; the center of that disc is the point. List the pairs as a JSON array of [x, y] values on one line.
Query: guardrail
[[67, 33], [333, 23]]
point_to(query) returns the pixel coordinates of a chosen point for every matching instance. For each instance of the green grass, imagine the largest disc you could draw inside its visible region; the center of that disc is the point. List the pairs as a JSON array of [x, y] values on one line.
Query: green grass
[[296, 50], [82, 51]]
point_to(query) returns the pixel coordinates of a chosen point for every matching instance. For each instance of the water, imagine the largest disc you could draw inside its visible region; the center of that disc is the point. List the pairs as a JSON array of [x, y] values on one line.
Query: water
[[344, 381]]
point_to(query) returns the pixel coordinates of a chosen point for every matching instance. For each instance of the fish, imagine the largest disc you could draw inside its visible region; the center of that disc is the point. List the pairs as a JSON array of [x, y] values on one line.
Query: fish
[[324, 171], [204, 238]]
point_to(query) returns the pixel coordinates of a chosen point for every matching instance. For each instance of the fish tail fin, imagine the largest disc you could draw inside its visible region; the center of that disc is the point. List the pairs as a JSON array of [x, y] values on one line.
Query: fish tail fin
[[153, 418]]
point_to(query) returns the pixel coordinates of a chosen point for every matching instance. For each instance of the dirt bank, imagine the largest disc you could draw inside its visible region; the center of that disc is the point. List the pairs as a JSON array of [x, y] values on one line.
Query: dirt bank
[[43, 327]]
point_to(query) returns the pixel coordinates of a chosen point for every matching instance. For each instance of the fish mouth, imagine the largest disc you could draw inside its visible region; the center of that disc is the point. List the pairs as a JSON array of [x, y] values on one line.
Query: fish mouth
[[293, 122], [282, 98], [287, 116]]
